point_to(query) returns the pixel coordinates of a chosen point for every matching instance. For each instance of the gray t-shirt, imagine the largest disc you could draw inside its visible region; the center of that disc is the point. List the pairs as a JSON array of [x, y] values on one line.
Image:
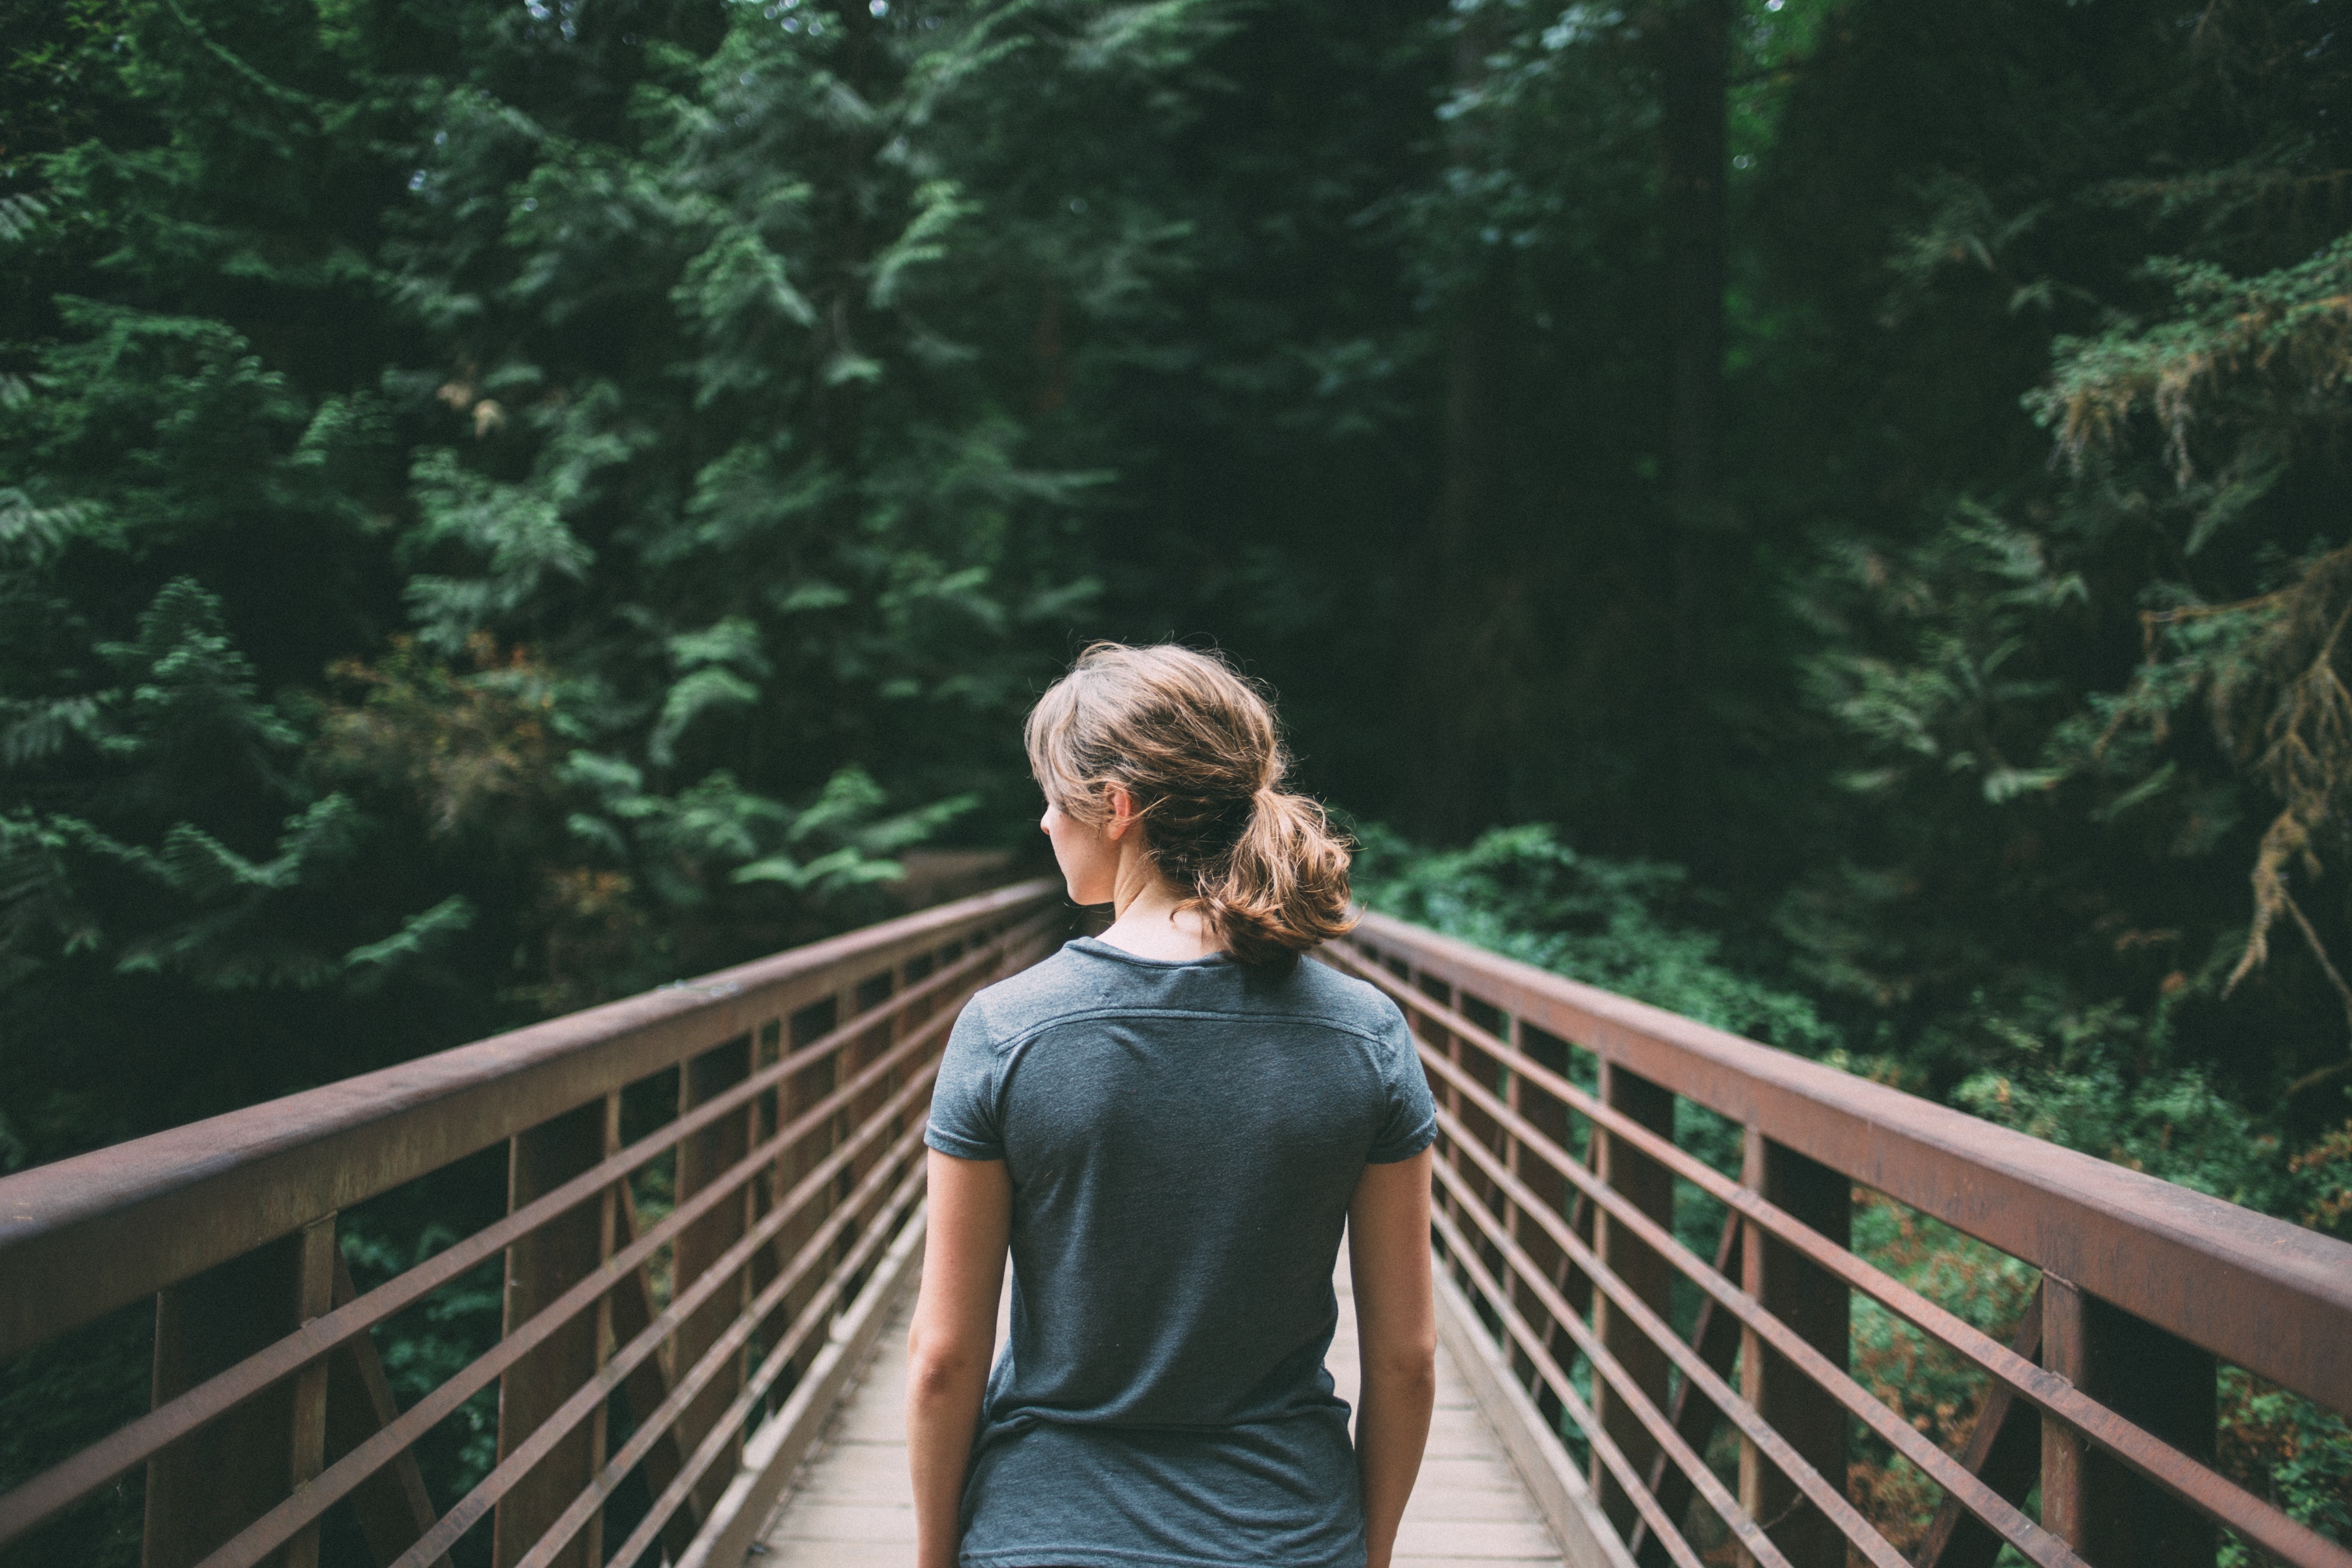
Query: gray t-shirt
[[1183, 1139]]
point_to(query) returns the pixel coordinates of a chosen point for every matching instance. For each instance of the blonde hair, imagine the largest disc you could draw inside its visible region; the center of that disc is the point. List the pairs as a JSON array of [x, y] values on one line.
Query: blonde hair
[[1195, 743]]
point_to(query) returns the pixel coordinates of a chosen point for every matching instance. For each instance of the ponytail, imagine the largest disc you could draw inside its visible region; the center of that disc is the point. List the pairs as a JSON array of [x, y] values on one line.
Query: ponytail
[[1283, 886], [1196, 747]]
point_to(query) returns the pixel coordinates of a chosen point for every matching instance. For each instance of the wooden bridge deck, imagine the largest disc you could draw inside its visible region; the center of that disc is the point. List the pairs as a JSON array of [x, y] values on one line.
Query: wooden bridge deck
[[849, 1506]]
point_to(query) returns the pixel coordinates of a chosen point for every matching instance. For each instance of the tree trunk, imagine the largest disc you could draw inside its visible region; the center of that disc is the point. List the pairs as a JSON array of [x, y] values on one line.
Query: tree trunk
[[1463, 688], [1693, 43]]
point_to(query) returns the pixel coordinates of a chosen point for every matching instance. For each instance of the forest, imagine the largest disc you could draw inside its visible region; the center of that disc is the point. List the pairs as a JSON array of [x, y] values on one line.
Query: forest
[[1825, 515]]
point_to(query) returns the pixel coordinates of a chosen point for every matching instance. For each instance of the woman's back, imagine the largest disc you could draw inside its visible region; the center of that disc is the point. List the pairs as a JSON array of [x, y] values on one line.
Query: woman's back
[[1165, 1130], [1183, 1139]]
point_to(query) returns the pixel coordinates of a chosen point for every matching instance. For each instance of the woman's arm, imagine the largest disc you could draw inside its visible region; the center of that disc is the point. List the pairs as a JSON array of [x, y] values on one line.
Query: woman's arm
[[1396, 1335], [953, 1339]]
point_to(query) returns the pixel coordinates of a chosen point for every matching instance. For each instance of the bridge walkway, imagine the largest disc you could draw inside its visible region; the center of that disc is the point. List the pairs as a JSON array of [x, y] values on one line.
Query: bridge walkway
[[849, 1506]]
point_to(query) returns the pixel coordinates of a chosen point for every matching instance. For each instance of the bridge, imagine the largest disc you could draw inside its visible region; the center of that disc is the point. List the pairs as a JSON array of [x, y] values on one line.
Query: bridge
[[711, 1218]]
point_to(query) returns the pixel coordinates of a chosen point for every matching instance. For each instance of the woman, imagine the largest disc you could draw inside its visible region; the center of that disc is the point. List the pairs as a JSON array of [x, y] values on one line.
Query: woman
[[1168, 1126]]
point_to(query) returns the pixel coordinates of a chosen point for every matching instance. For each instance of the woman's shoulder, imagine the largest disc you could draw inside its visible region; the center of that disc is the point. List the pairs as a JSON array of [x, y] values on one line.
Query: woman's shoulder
[[1055, 985], [1080, 979], [1351, 1004]]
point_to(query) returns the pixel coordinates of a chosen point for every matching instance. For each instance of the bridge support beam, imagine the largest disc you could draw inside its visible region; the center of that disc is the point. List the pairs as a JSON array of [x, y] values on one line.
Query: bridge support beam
[[2165, 1384], [1816, 1303], [705, 1157], [1548, 1114], [213, 1483], [1650, 1188], [541, 1267]]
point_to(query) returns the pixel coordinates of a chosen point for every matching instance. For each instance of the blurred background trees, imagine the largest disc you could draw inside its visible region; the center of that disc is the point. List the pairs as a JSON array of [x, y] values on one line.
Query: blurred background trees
[[505, 504], [501, 505]]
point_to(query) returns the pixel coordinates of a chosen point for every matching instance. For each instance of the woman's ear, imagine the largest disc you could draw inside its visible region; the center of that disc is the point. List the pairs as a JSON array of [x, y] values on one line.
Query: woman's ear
[[1122, 812]]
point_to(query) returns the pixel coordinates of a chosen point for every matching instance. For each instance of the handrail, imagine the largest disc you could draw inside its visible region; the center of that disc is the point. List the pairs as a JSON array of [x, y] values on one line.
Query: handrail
[[2145, 1244], [802, 1080], [85, 1235], [1568, 1249]]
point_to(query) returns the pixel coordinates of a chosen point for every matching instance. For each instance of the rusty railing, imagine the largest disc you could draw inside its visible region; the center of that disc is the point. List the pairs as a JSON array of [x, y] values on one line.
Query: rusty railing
[[687, 1355], [1556, 1220]]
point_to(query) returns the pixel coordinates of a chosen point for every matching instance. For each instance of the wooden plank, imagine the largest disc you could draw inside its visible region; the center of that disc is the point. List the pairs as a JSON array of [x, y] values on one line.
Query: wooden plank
[[314, 1297], [776, 1451], [798, 1092], [1485, 1505], [1459, 1476], [1715, 1335], [1476, 1542], [816, 1518], [1549, 1116], [835, 1554], [1579, 1526], [649, 1382]]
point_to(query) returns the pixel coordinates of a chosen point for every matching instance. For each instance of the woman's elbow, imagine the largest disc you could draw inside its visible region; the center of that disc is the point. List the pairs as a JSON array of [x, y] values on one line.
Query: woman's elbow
[[940, 1368], [1412, 1364]]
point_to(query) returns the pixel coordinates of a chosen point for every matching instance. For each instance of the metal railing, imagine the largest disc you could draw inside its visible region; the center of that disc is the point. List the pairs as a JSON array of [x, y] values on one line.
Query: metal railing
[[689, 1355], [684, 1359], [1555, 1215]]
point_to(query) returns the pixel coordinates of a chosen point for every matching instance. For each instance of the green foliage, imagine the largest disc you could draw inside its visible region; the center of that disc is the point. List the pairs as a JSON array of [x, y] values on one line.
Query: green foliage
[[160, 837], [1630, 926], [497, 509], [52, 1401], [1920, 1379], [2074, 646], [422, 1347], [181, 723], [501, 506], [2283, 1447], [2254, 366], [2172, 1126]]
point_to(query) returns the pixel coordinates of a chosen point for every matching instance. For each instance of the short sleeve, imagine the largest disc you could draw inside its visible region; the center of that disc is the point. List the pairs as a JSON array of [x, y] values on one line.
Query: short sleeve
[[964, 1122], [1409, 1121]]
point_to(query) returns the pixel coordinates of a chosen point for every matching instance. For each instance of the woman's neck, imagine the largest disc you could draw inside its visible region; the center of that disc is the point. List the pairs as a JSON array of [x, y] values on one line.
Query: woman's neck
[[1148, 919]]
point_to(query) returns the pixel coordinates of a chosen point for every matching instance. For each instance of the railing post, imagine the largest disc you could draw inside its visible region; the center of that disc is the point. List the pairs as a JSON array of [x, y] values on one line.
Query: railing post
[[1549, 1116], [2148, 1377], [541, 1267], [393, 1508], [704, 1158], [794, 1162], [1528, 1171], [1816, 1304], [314, 1297], [767, 1050], [1434, 1037], [213, 1483], [1490, 1075], [871, 1044], [1650, 1188]]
